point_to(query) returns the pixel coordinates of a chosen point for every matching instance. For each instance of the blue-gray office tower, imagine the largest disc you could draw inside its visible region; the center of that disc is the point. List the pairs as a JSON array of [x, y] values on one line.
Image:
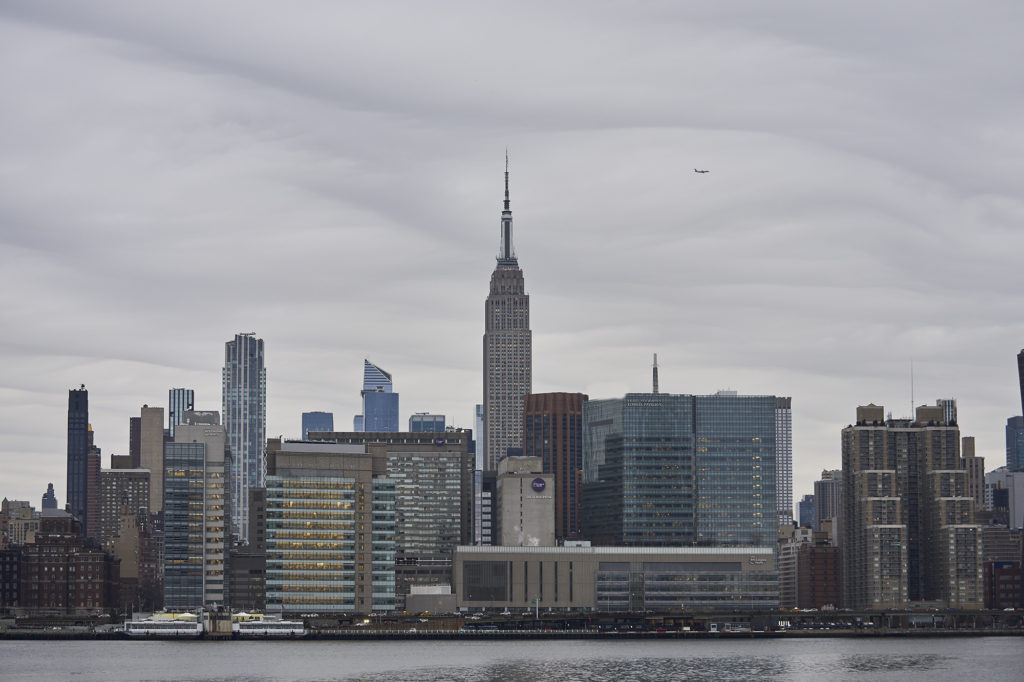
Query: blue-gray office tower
[[78, 450], [680, 470], [1015, 443], [380, 402], [179, 401], [421, 422], [244, 406], [806, 515], [317, 421]]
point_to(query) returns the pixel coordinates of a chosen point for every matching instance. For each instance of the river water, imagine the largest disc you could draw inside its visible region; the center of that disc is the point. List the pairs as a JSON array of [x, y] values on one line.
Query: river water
[[971, 659]]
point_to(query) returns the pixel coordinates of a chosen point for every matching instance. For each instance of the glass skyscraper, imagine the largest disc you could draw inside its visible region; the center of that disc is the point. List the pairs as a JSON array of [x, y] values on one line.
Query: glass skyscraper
[[197, 533], [638, 478], [322, 422], [421, 422], [244, 402], [1015, 443], [735, 470], [676, 470], [380, 402]]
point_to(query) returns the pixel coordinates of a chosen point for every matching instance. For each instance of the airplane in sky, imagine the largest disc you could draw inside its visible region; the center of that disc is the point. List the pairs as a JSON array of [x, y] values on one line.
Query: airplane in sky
[[699, 171]]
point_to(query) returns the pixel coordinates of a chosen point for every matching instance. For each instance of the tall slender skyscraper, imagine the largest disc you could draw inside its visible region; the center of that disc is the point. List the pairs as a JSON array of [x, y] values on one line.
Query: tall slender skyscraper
[[244, 405], [78, 451], [784, 459], [1020, 378], [508, 349], [179, 400]]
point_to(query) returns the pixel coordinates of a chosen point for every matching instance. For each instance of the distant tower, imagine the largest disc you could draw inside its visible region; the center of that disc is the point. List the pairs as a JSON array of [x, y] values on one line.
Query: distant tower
[[49, 498], [78, 451], [380, 402], [553, 432], [179, 400], [655, 373], [317, 422], [244, 406], [508, 349], [1020, 378], [784, 459]]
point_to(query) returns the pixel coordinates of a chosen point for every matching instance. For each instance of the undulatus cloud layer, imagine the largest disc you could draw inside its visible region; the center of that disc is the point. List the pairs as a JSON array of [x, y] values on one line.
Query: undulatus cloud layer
[[328, 175]]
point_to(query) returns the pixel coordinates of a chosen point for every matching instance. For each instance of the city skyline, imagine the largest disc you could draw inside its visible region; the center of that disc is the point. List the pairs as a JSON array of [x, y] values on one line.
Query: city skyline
[[857, 216]]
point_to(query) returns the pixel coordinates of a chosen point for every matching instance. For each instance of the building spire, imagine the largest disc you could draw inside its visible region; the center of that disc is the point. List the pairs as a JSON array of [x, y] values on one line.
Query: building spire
[[506, 180], [655, 372], [506, 253]]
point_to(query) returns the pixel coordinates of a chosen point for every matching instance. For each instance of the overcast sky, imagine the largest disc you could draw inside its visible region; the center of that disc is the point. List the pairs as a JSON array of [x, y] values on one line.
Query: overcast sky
[[329, 176]]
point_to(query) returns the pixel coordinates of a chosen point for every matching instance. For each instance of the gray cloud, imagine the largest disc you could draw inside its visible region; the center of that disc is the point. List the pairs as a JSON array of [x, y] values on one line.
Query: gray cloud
[[329, 177]]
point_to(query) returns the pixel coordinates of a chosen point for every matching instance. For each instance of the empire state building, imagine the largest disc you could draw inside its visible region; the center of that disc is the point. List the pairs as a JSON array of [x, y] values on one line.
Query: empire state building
[[508, 349]]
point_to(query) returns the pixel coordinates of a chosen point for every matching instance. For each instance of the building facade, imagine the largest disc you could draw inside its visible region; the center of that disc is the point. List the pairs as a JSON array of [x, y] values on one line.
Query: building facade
[[78, 451], [526, 505], [121, 491], [62, 574], [432, 475], [1015, 443], [784, 459], [508, 349], [616, 579], [179, 401], [244, 405], [330, 528], [421, 422], [828, 497], [908, 521], [380, 402], [316, 421], [806, 513], [553, 431], [151, 452], [197, 515]]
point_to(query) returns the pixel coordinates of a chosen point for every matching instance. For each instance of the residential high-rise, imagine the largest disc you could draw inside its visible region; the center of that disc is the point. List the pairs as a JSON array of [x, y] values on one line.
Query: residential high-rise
[[122, 491], [330, 528], [151, 453], [78, 451], [179, 401], [908, 520], [508, 349], [784, 459], [1015, 443], [828, 497], [316, 421], [421, 422], [197, 514], [676, 470], [975, 468], [553, 431], [380, 402], [134, 442], [244, 406]]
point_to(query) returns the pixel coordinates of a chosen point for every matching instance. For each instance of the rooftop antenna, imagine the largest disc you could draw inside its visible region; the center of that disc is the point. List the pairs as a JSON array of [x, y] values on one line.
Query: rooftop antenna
[[655, 371], [911, 388]]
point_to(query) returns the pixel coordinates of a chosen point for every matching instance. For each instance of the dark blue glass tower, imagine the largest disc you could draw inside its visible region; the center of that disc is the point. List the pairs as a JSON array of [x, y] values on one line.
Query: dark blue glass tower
[[317, 422], [380, 403], [78, 450]]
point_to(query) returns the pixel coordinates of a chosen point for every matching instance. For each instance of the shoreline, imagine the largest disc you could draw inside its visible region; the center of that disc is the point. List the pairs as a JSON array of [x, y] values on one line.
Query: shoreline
[[457, 635]]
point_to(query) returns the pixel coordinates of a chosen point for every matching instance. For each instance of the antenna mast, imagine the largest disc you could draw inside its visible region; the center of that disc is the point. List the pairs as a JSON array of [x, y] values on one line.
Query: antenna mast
[[655, 372]]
